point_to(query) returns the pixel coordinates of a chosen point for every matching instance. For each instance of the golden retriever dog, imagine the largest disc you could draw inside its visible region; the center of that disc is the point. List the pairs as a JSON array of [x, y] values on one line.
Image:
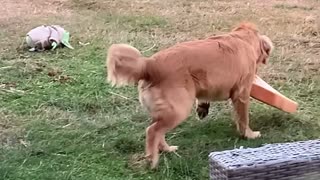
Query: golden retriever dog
[[214, 69]]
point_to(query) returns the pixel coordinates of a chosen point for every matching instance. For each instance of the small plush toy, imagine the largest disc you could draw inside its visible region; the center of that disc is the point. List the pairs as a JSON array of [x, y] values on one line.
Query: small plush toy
[[47, 37]]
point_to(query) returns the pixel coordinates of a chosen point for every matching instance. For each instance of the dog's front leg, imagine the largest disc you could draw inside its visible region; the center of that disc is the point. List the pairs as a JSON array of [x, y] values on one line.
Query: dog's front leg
[[241, 107]]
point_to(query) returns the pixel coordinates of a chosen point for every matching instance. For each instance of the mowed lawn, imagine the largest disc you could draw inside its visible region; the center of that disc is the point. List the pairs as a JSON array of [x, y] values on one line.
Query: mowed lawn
[[59, 119]]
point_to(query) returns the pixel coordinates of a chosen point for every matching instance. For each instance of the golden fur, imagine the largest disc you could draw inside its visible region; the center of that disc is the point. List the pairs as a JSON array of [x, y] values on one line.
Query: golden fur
[[169, 82]]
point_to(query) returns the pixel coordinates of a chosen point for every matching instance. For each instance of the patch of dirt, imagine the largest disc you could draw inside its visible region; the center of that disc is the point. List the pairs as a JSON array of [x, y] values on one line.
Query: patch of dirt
[[137, 161], [58, 75], [27, 64], [54, 72], [12, 9], [63, 79]]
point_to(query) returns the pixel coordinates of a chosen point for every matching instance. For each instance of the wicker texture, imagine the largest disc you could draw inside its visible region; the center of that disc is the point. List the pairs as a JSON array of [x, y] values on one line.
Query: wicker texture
[[283, 161]]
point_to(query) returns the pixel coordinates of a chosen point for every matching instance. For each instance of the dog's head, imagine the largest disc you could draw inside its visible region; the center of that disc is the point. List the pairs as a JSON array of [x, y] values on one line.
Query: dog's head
[[246, 26], [265, 44], [266, 48]]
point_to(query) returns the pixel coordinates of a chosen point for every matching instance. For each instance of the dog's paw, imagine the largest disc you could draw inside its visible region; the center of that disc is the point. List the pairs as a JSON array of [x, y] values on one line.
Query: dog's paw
[[148, 157], [202, 113], [172, 148], [252, 134], [151, 161], [203, 110]]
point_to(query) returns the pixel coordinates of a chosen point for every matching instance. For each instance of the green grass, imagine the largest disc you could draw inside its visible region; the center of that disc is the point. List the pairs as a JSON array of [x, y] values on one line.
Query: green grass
[[73, 126]]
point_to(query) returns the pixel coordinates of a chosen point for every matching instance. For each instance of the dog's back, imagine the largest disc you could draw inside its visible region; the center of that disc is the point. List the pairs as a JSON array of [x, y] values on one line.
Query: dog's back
[[215, 65]]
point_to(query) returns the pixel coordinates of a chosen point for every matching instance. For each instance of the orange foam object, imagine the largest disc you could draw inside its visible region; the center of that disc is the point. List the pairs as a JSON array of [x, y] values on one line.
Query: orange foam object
[[263, 92]]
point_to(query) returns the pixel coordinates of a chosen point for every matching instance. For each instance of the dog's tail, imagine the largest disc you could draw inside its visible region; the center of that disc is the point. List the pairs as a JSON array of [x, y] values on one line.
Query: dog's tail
[[125, 65]]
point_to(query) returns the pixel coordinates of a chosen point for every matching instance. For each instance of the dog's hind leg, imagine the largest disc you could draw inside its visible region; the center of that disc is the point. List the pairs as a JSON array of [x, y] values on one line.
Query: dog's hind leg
[[155, 137], [166, 119]]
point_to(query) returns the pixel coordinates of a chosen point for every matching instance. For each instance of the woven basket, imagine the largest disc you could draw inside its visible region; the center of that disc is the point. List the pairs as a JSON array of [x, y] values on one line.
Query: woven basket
[[282, 161]]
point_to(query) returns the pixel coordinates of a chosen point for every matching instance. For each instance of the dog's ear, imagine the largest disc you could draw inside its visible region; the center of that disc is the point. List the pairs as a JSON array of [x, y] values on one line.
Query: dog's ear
[[266, 46]]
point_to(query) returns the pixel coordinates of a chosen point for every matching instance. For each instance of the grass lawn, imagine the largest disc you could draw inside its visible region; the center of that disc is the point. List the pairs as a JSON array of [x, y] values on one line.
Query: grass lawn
[[59, 119]]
